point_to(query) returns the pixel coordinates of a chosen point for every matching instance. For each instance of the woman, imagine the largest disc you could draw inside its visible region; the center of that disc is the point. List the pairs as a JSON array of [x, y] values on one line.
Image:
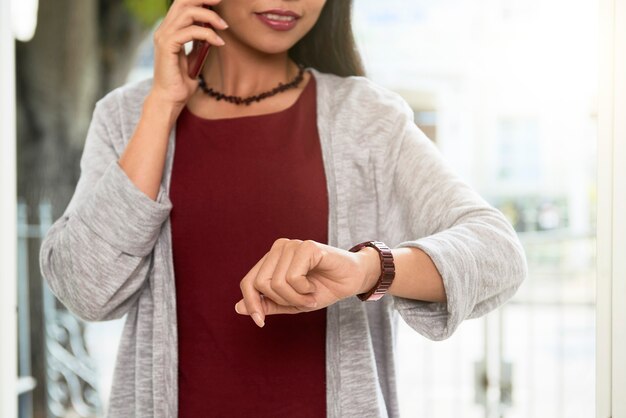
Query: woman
[[262, 208]]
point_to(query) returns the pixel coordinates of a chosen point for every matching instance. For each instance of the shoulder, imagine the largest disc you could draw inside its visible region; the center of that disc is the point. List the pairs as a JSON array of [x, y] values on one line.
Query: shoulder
[[130, 95], [120, 109], [361, 112], [359, 94]]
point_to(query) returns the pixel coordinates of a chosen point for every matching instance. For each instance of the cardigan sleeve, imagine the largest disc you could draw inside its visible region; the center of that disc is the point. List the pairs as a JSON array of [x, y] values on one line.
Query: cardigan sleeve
[[97, 255], [474, 247]]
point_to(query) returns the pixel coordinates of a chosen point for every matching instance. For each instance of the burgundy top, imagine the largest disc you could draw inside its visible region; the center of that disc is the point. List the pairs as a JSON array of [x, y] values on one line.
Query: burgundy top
[[237, 185]]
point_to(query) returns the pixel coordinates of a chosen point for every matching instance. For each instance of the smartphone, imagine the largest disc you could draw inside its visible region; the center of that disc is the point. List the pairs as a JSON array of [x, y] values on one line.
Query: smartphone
[[199, 52]]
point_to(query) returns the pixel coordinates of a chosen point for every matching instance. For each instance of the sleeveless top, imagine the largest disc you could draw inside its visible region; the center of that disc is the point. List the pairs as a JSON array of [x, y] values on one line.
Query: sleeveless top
[[237, 185]]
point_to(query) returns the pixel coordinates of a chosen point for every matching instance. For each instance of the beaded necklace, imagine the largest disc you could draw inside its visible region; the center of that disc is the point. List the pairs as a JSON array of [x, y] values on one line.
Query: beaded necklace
[[238, 100]]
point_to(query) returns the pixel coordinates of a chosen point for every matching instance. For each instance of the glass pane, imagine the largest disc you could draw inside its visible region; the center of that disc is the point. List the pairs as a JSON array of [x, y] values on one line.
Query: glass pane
[[507, 91]]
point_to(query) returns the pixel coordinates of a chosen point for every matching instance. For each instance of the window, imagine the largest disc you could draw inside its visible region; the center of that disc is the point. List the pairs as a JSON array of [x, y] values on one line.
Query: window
[[508, 92]]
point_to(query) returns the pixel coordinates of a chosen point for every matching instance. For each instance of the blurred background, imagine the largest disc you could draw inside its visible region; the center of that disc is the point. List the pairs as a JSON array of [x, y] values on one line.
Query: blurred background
[[508, 91]]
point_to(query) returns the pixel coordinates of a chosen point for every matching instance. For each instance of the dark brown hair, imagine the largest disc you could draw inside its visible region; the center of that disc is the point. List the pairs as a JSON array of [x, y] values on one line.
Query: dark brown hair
[[329, 46]]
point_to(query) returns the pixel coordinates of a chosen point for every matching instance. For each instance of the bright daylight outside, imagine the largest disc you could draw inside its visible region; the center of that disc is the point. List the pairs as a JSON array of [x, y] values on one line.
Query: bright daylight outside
[[507, 90]]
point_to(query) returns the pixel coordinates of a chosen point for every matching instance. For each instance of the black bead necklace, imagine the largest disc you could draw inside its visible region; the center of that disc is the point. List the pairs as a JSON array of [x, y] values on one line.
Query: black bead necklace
[[240, 100]]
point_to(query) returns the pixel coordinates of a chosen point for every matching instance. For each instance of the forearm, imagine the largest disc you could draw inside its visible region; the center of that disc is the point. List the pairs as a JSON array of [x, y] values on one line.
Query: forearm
[[416, 275], [143, 160]]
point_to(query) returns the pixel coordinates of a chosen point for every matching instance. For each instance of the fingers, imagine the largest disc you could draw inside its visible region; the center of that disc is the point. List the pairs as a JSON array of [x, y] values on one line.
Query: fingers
[[278, 282], [292, 270], [262, 280], [271, 307], [305, 258], [192, 15], [190, 33], [180, 25], [272, 281], [179, 5], [251, 296]]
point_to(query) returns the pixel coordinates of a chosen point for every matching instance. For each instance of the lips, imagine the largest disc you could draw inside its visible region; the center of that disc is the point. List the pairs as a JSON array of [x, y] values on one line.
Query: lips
[[280, 12], [279, 19]]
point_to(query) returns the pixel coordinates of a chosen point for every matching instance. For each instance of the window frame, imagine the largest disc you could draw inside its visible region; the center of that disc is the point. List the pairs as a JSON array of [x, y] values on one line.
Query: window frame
[[8, 218], [611, 210]]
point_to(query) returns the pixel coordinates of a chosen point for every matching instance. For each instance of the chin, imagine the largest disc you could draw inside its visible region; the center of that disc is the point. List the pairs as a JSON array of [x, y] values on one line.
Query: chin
[[274, 49], [272, 46]]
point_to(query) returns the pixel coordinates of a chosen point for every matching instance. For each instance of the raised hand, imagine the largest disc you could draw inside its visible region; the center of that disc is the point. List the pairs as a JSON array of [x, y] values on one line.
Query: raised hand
[[171, 82], [298, 276]]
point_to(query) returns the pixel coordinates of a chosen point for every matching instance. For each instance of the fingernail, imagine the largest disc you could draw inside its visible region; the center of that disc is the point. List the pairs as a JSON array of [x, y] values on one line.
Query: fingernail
[[220, 41], [257, 318], [236, 310], [224, 23], [312, 304]]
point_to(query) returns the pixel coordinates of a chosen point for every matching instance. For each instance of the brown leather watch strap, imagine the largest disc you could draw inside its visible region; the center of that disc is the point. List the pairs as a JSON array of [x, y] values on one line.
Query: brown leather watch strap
[[387, 268]]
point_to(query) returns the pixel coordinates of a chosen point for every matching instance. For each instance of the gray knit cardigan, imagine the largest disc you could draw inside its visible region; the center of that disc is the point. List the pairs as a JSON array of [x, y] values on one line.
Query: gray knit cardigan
[[110, 253]]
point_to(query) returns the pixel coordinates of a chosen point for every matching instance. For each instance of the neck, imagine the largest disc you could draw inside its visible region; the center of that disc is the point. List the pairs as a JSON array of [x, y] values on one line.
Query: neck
[[244, 73]]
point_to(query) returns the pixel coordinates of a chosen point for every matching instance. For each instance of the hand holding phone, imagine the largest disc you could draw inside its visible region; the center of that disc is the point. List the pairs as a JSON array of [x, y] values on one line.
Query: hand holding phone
[[199, 52], [175, 73]]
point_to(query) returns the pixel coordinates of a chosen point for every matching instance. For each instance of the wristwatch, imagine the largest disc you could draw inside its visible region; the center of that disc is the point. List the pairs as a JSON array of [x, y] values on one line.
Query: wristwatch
[[387, 269]]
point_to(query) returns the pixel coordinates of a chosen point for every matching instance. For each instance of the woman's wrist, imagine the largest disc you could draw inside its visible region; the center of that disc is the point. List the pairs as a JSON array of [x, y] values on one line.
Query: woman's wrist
[[370, 261], [159, 108]]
